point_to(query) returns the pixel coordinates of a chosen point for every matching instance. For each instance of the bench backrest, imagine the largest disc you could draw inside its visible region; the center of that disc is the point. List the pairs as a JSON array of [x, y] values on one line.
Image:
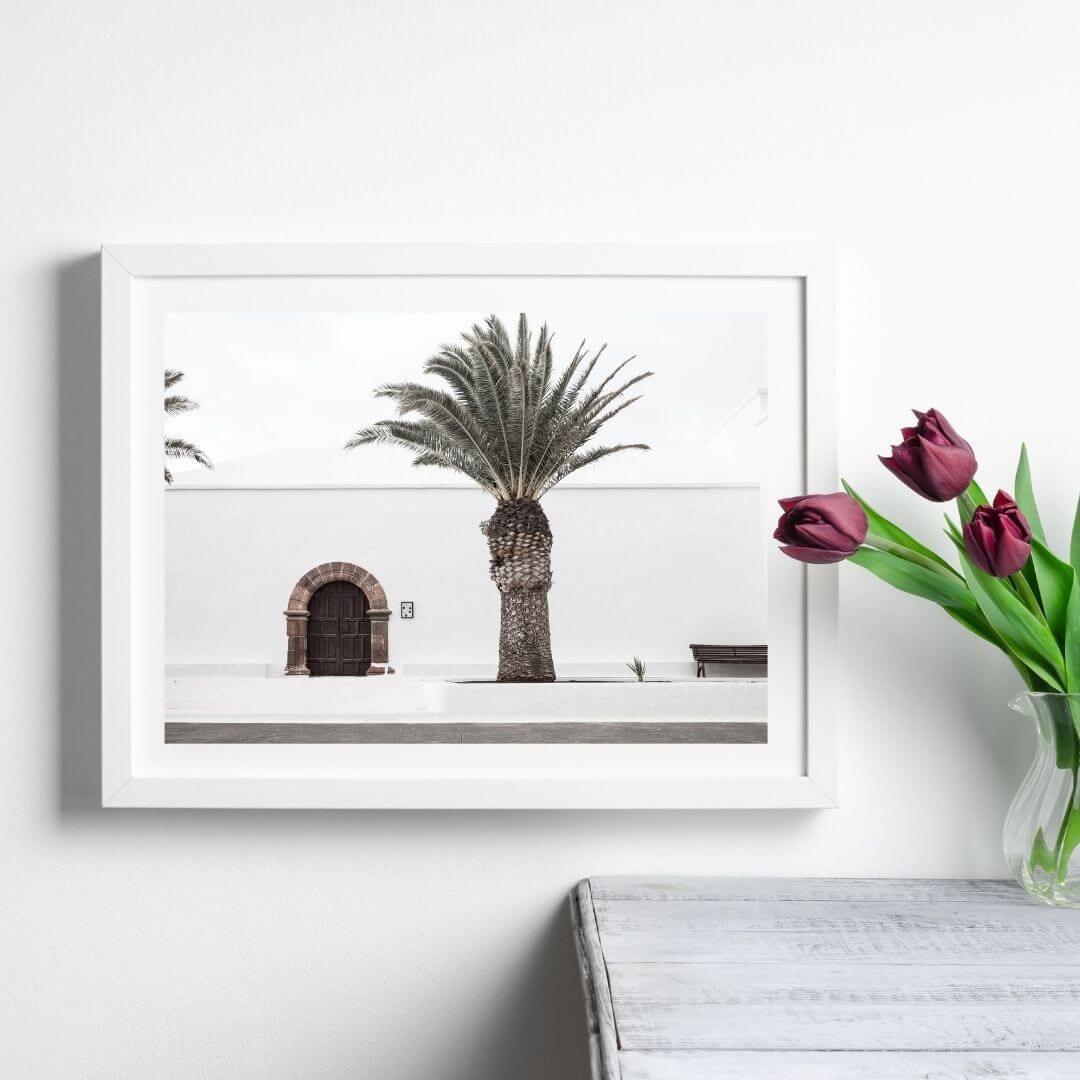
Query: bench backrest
[[743, 653]]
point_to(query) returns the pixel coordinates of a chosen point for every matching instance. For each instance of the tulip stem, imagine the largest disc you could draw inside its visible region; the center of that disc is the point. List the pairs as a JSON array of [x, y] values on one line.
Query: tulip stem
[[1026, 594], [879, 542]]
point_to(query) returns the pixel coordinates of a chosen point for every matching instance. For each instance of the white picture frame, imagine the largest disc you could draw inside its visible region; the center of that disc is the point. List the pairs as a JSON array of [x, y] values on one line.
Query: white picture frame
[[251, 776]]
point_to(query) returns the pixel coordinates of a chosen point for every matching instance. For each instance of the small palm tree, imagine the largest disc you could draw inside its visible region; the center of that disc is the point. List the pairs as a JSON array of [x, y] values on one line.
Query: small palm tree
[[177, 448], [517, 427]]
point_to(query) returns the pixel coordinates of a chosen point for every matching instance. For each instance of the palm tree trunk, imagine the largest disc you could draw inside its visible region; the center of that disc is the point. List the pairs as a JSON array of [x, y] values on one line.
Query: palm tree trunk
[[519, 539], [525, 637]]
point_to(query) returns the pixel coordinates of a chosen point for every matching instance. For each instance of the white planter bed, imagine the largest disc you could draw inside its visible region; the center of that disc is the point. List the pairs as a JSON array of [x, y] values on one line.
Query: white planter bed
[[691, 699]]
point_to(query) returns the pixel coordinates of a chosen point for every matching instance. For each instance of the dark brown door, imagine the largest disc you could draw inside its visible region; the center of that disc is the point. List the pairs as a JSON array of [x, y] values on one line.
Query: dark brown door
[[339, 631]]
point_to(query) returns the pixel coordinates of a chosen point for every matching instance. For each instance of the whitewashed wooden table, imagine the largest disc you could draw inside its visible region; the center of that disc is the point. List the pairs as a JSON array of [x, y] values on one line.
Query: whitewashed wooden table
[[789, 979]]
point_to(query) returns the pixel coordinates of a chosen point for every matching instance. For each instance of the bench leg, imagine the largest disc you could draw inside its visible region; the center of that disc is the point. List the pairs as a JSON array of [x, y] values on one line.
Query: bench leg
[[701, 669]]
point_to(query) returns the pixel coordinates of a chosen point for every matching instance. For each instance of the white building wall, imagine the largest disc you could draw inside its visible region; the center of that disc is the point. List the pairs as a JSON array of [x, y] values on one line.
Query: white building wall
[[640, 571]]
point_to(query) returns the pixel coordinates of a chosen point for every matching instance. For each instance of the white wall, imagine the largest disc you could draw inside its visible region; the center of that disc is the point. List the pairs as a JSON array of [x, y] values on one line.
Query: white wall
[[637, 571], [932, 141]]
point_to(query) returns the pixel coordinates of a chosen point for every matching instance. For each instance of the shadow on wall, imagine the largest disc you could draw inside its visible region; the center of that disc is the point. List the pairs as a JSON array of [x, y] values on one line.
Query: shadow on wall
[[526, 1037], [78, 528]]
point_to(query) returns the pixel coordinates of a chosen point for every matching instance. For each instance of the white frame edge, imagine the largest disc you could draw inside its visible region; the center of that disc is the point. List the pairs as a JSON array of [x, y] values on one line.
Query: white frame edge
[[122, 264]]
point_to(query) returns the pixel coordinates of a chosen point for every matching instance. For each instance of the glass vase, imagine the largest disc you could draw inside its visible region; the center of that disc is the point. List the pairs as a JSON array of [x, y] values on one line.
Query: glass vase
[[1042, 827]]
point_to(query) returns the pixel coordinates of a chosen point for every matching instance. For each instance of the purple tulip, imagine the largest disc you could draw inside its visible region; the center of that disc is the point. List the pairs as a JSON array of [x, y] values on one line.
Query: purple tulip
[[932, 460], [998, 537], [821, 528]]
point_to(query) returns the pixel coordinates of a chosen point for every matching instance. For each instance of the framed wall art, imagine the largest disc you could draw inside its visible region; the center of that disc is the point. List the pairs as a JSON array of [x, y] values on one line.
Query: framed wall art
[[464, 526]]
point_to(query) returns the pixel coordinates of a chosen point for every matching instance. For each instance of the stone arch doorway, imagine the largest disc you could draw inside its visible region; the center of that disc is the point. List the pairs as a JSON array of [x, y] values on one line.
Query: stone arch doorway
[[298, 614], [338, 630]]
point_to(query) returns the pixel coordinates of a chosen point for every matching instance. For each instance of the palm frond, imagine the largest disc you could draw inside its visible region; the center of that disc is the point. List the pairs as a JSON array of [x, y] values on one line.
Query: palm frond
[[573, 462], [181, 450], [445, 411], [507, 418], [175, 447], [431, 447], [177, 403], [488, 371]]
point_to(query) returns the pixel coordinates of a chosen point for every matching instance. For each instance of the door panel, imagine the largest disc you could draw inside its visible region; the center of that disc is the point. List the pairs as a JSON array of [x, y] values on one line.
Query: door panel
[[339, 631]]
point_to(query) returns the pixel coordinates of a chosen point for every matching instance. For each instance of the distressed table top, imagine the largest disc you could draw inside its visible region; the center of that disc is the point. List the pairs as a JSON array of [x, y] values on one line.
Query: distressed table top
[[804, 979]]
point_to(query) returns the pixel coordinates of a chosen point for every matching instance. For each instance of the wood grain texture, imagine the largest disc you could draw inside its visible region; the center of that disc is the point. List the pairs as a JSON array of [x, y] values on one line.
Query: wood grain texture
[[592, 1023], [712, 917], [606, 1065], [757, 1065], [883, 1025], [830, 890], [1007, 948], [819, 984], [783, 978]]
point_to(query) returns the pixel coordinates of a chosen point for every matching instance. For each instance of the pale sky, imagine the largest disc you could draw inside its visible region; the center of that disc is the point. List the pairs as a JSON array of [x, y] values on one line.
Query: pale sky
[[267, 382]]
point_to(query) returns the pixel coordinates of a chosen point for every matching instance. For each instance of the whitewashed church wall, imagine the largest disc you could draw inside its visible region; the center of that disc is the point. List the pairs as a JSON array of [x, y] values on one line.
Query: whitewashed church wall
[[639, 571]]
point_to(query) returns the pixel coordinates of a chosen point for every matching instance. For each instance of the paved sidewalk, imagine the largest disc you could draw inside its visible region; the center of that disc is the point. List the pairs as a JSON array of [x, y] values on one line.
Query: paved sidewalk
[[400, 709]]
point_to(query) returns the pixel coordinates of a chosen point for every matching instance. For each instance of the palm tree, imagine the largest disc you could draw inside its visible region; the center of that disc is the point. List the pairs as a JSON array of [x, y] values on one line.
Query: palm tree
[[517, 427], [177, 448]]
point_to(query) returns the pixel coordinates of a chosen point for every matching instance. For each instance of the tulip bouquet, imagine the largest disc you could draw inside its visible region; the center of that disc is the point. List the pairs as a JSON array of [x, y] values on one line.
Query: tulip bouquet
[[1010, 588]]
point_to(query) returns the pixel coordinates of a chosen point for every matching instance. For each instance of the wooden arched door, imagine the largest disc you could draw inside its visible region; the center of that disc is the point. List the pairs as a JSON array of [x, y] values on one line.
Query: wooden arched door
[[338, 631]]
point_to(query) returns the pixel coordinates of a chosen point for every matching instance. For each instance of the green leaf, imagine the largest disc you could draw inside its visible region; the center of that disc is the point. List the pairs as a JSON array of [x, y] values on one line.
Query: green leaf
[[1028, 639], [882, 526], [977, 624], [1055, 580], [1025, 496], [1072, 639], [917, 580], [976, 494], [975, 621], [1074, 547], [1025, 499], [1031, 680], [1068, 843], [968, 501], [1060, 712], [1041, 855]]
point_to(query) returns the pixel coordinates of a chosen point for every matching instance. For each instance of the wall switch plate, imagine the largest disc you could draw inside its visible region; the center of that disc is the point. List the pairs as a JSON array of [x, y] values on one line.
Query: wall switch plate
[[406, 609]]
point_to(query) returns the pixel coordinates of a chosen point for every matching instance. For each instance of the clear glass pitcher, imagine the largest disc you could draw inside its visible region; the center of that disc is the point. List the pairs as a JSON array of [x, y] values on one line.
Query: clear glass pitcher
[[1042, 828]]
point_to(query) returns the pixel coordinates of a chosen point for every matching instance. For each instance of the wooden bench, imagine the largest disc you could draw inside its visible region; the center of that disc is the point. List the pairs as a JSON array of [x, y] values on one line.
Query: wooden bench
[[753, 655], [814, 979]]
